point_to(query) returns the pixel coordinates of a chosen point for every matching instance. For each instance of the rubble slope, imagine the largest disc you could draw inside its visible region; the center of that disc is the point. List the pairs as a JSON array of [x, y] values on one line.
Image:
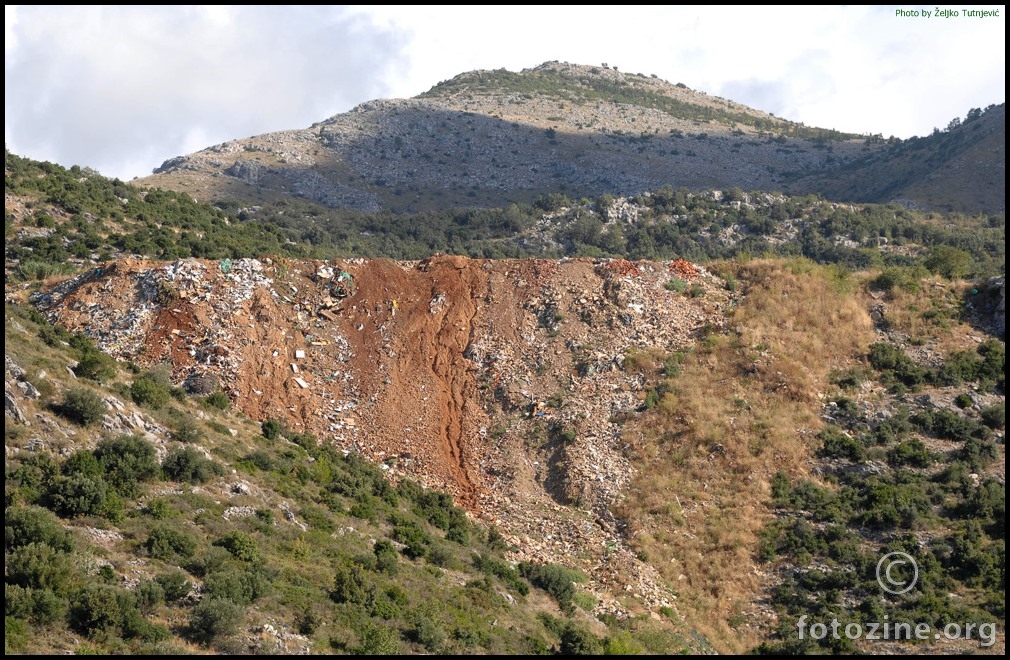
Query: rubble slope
[[499, 381]]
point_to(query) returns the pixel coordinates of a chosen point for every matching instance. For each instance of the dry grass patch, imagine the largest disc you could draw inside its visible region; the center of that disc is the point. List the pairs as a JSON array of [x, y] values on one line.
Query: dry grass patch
[[745, 406], [927, 313]]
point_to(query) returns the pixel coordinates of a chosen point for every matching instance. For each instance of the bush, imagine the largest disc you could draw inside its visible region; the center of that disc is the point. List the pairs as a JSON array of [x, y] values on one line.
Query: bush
[[148, 392], [187, 430], [95, 365], [15, 636], [150, 594], [978, 453], [212, 560], [24, 525], [243, 587], [95, 609], [127, 459], [836, 444], [213, 619], [993, 354], [38, 566], [189, 465], [576, 640], [82, 406], [386, 557], [906, 278], [167, 543], [175, 585], [159, 508], [350, 584], [41, 606], [218, 400], [83, 463], [317, 518], [891, 360], [376, 639], [501, 570], [994, 416], [427, 633], [557, 581], [271, 429], [950, 262], [78, 495], [959, 366], [241, 546], [949, 425], [677, 285], [888, 505], [910, 452], [414, 538]]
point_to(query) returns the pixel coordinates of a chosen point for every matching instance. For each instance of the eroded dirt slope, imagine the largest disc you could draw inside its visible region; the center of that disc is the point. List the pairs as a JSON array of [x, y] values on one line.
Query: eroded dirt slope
[[501, 381]]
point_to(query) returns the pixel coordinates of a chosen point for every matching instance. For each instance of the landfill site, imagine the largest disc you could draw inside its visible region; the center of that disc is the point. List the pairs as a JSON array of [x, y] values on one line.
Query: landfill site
[[503, 382]]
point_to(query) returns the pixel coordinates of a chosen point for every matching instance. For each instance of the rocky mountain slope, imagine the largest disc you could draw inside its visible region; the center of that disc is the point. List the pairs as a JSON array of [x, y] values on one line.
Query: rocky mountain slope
[[487, 138], [961, 169]]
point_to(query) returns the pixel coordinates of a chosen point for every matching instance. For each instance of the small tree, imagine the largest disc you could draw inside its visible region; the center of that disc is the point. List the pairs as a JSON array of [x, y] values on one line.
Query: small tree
[[218, 400], [166, 543], [214, 618], [271, 429], [83, 406], [386, 557], [147, 391], [96, 366], [95, 609], [33, 524], [78, 495], [127, 459], [189, 465], [240, 545], [950, 262]]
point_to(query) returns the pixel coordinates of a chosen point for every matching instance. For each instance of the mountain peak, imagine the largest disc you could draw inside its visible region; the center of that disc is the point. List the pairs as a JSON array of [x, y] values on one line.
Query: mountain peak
[[488, 138]]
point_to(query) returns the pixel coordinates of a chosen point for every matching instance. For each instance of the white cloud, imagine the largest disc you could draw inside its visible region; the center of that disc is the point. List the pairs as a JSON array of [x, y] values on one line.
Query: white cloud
[[96, 86], [116, 87]]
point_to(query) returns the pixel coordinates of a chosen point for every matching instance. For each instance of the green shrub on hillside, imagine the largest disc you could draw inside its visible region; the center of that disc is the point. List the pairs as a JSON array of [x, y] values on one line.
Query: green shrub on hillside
[[149, 392], [82, 406], [556, 580], [33, 524], [213, 619], [127, 460], [188, 465], [95, 365], [168, 543]]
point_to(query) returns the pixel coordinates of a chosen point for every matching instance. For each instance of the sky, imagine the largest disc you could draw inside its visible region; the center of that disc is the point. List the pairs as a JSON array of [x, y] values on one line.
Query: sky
[[122, 89]]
